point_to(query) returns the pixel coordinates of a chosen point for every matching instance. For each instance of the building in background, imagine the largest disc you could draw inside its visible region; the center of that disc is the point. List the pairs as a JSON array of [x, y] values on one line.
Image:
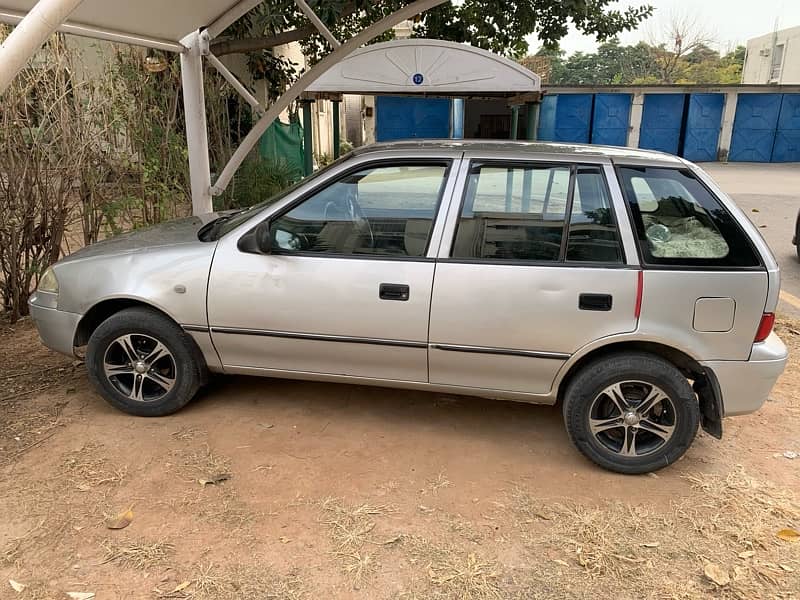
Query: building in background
[[773, 58]]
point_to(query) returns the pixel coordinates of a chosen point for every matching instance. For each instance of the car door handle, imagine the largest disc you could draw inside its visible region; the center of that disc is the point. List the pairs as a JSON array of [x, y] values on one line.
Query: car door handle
[[601, 302], [394, 291]]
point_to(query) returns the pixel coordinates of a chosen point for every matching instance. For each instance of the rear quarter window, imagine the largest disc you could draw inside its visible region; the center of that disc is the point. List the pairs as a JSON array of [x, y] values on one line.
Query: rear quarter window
[[679, 222]]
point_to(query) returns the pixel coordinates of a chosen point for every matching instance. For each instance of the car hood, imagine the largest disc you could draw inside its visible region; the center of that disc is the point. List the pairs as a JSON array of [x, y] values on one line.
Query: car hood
[[170, 233]]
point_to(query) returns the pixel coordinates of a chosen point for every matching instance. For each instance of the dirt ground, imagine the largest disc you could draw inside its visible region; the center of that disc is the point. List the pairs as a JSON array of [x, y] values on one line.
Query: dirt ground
[[333, 491]]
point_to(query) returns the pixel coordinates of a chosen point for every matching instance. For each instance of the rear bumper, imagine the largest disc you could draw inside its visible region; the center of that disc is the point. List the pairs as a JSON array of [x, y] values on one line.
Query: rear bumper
[[56, 327], [745, 385]]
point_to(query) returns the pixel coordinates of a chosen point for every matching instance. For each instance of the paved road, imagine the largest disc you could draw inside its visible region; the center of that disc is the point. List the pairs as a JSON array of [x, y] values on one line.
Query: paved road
[[770, 194]]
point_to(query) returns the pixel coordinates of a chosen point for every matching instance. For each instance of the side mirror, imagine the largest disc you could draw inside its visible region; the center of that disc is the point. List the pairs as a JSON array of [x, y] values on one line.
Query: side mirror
[[257, 241]]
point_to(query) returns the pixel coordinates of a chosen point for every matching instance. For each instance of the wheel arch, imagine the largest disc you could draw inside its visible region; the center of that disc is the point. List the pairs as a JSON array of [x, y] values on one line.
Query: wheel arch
[[106, 308], [704, 381]]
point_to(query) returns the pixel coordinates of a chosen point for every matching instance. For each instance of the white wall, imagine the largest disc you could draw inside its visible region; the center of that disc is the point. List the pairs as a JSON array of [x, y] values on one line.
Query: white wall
[[760, 52]]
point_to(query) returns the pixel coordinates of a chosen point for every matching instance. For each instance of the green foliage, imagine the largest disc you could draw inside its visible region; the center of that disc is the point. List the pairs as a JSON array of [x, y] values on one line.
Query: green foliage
[[257, 180], [614, 64]]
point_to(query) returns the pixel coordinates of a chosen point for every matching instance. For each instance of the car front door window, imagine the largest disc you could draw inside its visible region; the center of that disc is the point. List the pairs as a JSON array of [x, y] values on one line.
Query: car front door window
[[383, 210]]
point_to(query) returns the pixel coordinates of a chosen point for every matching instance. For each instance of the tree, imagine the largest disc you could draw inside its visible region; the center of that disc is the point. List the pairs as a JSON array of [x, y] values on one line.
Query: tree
[[683, 36]]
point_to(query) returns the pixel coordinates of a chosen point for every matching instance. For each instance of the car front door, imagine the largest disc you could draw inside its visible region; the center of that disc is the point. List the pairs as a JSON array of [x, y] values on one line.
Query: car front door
[[346, 289], [531, 269]]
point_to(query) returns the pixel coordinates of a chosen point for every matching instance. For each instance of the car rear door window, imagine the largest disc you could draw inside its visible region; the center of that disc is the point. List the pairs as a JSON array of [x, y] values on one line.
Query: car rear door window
[[380, 210], [519, 212], [593, 235], [679, 222]]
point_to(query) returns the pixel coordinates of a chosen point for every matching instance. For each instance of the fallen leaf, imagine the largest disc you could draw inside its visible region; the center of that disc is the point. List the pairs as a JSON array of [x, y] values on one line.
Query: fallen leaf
[[266, 425], [651, 545], [790, 454], [18, 587], [788, 535], [284, 539], [716, 574], [786, 568], [747, 554], [216, 479], [81, 595], [121, 521], [180, 587], [563, 563]]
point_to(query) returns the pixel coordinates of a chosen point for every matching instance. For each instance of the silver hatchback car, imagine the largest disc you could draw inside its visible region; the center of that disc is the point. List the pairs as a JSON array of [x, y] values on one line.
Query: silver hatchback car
[[622, 283]]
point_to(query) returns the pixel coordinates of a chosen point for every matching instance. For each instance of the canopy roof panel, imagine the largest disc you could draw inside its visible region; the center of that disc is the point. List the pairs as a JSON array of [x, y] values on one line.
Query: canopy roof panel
[[157, 23], [432, 67]]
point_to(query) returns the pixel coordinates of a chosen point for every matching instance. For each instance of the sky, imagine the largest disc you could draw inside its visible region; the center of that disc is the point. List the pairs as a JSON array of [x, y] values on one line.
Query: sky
[[729, 22]]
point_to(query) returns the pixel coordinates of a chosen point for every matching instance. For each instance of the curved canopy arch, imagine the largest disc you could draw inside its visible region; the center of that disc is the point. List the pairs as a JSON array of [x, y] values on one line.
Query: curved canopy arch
[[427, 67]]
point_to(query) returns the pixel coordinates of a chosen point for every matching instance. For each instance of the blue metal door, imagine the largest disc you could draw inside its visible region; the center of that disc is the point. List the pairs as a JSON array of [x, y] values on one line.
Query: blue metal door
[[547, 119], [611, 119], [573, 118], [787, 138], [754, 127], [401, 118], [703, 124], [662, 120]]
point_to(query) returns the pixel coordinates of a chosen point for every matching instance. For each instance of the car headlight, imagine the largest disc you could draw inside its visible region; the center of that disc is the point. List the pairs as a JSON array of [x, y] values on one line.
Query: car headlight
[[48, 282]]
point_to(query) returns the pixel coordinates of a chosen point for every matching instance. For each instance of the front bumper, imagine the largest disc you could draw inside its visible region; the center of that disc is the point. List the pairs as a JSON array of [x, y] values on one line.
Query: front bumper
[[745, 385], [56, 327]]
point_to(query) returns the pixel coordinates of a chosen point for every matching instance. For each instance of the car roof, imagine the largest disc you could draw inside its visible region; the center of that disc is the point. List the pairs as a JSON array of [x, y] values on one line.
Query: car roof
[[616, 153]]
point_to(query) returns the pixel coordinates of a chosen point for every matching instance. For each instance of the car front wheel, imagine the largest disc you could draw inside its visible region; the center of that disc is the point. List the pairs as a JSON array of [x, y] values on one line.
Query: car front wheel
[[631, 413], [143, 363]]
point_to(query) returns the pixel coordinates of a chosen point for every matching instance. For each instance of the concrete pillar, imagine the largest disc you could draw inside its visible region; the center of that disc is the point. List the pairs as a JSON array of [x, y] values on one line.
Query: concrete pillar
[[458, 118], [514, 122], [634, 129], [726, 133], [194, 104], [308, 139], [531, 130], [337, 134]]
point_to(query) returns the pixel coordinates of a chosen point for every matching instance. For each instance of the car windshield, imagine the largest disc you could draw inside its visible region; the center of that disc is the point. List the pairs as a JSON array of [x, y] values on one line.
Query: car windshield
[[227, 223]]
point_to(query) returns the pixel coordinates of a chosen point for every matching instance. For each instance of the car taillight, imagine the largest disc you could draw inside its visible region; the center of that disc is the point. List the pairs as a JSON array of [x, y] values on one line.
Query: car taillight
[[765, 327]]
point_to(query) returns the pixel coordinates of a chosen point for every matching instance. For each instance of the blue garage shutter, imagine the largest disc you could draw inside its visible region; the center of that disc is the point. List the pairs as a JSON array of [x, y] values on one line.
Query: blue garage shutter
[[703, 124], [787, 137], [547, 118], [611, 119], [754, 127], [401, 118], [662, 119], [573, 118]]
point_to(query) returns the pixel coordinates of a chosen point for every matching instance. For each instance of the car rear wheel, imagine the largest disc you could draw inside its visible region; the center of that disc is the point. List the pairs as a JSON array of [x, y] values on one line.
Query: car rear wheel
[[143, 363], [631, 413]]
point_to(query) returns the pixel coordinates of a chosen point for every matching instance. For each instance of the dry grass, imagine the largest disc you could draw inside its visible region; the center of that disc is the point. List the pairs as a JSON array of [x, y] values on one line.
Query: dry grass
[[87, 469], [205, 463], [639, 551], [452, 572], [351, 529], [253, 581], [136, 554]]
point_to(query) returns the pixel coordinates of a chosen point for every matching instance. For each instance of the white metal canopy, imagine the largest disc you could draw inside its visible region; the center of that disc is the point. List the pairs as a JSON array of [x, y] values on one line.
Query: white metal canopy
[[154, 23], [419, 66]]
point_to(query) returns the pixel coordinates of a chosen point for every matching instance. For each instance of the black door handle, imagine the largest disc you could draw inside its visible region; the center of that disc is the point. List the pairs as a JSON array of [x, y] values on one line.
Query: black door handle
[[394, 291], [601, 302]]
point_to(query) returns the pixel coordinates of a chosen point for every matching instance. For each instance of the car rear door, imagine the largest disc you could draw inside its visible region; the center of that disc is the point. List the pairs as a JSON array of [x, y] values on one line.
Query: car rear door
[[346, 290], [531, 268]]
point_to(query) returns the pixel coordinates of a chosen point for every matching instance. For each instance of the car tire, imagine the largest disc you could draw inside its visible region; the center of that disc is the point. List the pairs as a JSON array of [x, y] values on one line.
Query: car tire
[[143, 363], [631, 412]]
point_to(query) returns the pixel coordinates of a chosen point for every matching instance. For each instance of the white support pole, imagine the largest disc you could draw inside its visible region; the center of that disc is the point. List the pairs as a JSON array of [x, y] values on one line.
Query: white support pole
[[235, 83], [33, 31], [230, 16], [374, 30], [194, 104], [312, 16]]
